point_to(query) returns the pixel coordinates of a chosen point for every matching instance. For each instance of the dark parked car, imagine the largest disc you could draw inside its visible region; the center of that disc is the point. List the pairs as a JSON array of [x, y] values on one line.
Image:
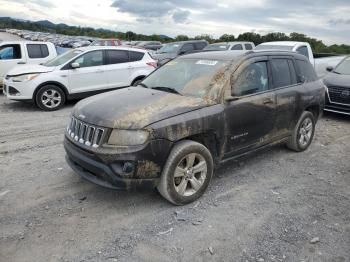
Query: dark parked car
[[172, 50], [151, 45], [338, 87], [191, 114]]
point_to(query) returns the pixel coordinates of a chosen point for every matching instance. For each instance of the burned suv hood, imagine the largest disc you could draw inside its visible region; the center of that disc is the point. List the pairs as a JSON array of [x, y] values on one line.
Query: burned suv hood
[[134, 107]]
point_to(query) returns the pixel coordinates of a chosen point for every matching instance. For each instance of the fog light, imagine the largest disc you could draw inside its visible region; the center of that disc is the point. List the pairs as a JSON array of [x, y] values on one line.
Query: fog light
[[128, 167]]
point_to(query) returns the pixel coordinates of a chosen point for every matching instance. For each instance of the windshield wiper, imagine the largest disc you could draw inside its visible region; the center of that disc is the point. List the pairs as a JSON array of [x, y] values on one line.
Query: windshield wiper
[[167, 89]]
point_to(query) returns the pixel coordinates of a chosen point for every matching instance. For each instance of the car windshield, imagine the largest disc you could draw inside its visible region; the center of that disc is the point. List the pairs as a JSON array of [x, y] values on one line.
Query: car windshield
[[61, 59], [169, 48], [217, 47], [274, 47], [191, 77], [343, 67]]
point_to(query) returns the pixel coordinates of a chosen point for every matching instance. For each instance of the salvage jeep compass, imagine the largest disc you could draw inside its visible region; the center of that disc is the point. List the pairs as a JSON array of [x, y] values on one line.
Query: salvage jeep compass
[[192, 114]]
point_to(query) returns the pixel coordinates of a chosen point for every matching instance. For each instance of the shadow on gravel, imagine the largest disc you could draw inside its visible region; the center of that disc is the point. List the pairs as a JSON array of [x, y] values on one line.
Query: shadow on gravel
[[28, 106], [336, 117]]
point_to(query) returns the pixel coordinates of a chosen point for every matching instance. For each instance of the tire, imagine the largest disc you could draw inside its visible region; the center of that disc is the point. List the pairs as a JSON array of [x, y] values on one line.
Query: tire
[[188, 185], [54, 95], [137, 82], [303, 133]]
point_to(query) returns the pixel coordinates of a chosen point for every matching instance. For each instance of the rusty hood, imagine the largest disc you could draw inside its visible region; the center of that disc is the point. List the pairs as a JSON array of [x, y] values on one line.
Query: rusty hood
[[134, 107]]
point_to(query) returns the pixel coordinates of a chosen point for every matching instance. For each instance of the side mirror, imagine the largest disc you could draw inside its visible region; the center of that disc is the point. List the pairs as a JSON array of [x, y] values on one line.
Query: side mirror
[[329, 68], [75, 65], [182, 52]]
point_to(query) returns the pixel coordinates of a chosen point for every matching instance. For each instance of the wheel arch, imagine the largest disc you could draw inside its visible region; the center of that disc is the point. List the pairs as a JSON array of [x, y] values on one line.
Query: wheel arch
[[60, 85], [208, 139], [315, 110], [140, 77]]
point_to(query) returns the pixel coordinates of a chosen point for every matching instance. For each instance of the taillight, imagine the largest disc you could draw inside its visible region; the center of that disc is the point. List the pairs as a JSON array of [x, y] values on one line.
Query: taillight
[[153, 64]]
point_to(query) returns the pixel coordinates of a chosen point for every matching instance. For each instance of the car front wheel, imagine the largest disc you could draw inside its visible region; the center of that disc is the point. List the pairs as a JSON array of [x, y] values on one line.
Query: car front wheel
[[187, 173], [50, 98]]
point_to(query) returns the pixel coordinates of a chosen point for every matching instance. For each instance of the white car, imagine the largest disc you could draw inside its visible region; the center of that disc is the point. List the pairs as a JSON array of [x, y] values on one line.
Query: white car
[[224, 46], [78, 73], [14, 53]]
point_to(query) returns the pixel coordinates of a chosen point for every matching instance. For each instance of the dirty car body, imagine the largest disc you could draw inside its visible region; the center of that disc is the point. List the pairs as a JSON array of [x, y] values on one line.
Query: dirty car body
[[146, 123]]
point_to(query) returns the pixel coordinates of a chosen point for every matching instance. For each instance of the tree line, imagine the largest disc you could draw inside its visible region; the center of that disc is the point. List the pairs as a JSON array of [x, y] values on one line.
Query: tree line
[[46, 26]]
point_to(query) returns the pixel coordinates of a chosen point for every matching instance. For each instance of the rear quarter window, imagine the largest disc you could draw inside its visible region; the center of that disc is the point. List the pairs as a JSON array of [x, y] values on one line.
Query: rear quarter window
[[248, 46], [135, 56], [306, 71]]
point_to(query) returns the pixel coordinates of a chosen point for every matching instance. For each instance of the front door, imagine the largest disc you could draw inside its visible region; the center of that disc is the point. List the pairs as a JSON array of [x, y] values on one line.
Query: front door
[[250, 116], [91, 74], [10, 56]]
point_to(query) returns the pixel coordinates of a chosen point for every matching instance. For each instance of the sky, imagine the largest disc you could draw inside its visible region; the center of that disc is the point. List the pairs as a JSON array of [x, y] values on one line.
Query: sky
[[327, 20]]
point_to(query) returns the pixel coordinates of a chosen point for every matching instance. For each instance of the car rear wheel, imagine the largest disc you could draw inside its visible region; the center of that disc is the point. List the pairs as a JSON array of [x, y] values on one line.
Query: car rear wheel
[[187, 173], [303, 133], [50, 98]]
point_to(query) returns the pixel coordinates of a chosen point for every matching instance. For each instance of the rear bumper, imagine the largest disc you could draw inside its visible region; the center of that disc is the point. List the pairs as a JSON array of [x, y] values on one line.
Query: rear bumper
[[109, 170]]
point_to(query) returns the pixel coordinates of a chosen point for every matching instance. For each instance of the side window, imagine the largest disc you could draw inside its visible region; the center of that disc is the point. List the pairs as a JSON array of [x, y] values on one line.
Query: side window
[[280, 72], [94, 58], [306, 71], [37, 51], [8, 52], [248, 46], [187, 48], [253, 79], [237, 47], [117, 56], [200, 45], [135, 56], [303, 51]]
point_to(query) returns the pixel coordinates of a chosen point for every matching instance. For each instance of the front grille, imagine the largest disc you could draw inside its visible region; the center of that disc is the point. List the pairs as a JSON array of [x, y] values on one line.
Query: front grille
[[86, 134], [339, 94]]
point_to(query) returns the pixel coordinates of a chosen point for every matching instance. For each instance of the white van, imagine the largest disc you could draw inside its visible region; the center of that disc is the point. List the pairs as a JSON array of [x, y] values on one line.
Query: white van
[[14, 53]]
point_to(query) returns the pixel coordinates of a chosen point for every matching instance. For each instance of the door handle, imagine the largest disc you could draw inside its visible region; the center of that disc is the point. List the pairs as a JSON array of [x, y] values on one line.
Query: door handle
[[21, 63], [267, 101]]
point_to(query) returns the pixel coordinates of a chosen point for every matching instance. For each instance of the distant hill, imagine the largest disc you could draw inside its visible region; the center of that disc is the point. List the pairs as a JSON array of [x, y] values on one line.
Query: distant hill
[[61, 28]]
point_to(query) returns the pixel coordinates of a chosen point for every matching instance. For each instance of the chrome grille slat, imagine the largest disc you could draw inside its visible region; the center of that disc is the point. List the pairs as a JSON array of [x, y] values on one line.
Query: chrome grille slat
[[85, 133]]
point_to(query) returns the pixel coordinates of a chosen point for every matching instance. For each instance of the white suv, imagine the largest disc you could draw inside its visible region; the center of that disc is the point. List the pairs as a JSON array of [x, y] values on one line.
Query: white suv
[[78, 73]]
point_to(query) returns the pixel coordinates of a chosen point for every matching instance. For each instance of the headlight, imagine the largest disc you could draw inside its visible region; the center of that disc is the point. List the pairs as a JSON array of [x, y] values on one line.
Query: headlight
[[24, 78], [128, 137]]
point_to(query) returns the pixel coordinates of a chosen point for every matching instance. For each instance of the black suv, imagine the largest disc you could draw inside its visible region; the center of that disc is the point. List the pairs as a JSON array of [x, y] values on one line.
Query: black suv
[[338, 87], [172, 50], [191, 114]]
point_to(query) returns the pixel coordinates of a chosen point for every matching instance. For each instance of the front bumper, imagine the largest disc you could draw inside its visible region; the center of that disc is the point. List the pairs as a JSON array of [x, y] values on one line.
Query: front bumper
[[19, 90], [108, 170], [340, 108]]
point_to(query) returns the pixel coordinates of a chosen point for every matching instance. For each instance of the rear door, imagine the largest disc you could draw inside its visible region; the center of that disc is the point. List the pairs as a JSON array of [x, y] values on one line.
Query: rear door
[[286, 88], [250, 117], [91, 75], [118, 69], [37, 53]]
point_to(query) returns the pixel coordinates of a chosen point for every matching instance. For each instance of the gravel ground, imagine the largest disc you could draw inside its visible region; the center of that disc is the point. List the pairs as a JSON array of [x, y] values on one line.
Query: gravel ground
[[267, 206], [275, 205]]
